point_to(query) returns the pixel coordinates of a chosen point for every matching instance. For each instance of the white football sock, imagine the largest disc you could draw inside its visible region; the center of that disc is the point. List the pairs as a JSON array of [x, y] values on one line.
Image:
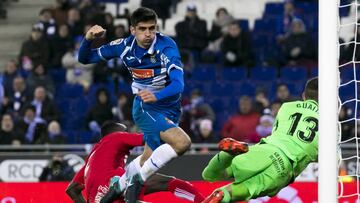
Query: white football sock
[[130, 170], [158, 159]]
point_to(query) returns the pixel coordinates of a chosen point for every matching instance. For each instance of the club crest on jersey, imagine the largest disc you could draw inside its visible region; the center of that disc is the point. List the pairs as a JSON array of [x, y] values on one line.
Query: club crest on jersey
[[117, 41], [169, 121], [153, 58]]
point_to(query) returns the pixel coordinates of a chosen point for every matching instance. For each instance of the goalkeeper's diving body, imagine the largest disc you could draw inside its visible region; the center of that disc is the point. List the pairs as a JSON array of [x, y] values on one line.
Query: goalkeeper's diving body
[[267, 167]]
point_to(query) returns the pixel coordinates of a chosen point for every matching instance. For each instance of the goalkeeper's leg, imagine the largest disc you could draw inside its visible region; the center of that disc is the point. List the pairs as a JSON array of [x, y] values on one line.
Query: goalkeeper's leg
[[218, 167]]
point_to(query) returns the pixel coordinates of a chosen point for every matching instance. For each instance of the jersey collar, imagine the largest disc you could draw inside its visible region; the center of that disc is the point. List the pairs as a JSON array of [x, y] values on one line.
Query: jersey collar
[[312, 101], [151, 48]]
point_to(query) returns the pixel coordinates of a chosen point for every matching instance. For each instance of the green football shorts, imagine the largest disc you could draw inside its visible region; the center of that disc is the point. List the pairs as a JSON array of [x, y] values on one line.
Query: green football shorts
[[264, 170]]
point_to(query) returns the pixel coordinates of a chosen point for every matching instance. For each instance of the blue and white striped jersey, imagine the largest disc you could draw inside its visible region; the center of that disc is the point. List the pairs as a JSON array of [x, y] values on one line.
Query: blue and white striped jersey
[[149, 70]]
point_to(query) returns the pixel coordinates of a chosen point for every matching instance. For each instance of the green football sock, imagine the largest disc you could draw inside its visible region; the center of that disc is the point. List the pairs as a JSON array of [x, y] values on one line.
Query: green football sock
[[216, 169], [239, 192], [227, 196]]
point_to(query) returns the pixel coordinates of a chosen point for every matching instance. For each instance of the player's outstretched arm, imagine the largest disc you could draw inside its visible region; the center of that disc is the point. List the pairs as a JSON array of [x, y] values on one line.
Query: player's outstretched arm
[[74, 192]]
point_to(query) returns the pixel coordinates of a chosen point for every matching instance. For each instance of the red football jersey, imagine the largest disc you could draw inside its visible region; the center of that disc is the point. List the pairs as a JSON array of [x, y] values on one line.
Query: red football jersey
[[106, 159]]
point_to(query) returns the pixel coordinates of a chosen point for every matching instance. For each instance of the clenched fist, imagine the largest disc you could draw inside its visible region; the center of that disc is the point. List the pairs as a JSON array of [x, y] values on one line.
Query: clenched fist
[[147, 96], [95, 32]]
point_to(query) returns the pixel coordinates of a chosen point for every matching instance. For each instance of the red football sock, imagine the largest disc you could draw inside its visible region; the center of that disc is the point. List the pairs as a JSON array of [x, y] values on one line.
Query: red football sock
[[185, 190]]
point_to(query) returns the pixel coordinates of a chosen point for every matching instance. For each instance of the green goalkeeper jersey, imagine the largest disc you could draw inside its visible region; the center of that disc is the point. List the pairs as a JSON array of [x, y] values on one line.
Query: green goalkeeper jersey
[[295, 132]]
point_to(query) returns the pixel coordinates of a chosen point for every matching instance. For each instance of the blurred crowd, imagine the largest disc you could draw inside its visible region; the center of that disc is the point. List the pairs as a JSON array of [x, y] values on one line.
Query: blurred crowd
[[38, 104]]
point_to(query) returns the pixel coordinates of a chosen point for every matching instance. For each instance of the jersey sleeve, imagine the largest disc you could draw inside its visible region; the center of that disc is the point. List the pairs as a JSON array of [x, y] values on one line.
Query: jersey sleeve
[[171, 57], [112, 50], [105, 52], [129, 140]]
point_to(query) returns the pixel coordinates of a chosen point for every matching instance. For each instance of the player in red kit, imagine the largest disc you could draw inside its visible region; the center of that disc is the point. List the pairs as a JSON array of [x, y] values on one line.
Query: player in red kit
[[108, 158]]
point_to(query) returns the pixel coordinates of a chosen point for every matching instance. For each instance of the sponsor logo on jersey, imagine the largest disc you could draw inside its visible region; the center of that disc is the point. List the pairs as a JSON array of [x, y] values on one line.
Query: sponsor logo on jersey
[[117, 41], [142, 73]]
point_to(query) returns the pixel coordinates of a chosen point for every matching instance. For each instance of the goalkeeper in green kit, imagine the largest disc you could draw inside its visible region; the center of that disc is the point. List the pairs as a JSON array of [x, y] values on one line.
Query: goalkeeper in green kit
[[267, 167]]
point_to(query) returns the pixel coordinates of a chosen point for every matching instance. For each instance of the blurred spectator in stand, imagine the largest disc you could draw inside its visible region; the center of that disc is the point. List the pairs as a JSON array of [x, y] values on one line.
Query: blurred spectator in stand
[[59, 45], [261, 100], [9, 74], [289, 15], [16, 97], [55, 135], [75, 23], [109, 27], [274, 107], [346, 127], [9, 134], [349, 53], [236, 47], [264, 128], [243, 124], [57, 170], [220, 24], [3, 12], [39, 77], [59, 11], [196, 111], [119, 71], [44, 106], [161, 7], [120, 32], [100, 112], [219, 29], [122, 111], [47, 23], [34, 50], [91, 12], [29, 124], [77, 73], [298, 47], [204, 132], [283, 93], [191, 34], [342, 51]]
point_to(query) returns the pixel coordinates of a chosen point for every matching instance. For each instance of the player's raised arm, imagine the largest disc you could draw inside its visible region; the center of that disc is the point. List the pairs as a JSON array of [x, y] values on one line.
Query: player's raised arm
[[106, 52]]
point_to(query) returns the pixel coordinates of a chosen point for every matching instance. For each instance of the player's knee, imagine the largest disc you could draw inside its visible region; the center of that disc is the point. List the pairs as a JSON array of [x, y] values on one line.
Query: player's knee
[[182, 146], [207, 175]]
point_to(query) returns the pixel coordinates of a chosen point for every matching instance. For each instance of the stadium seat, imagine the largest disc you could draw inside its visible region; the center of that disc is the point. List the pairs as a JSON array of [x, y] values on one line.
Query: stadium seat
[[274, 9], [63, 104], [314, 72], [58, 75], [346, 73], [306, 8], [85, 137], [71, 136], [244, 24], [233, 73], [347, 92], [203, 73], [69, 91], [264, 73], [246, 88], [216, 103], [222, 88], [293, 74]]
